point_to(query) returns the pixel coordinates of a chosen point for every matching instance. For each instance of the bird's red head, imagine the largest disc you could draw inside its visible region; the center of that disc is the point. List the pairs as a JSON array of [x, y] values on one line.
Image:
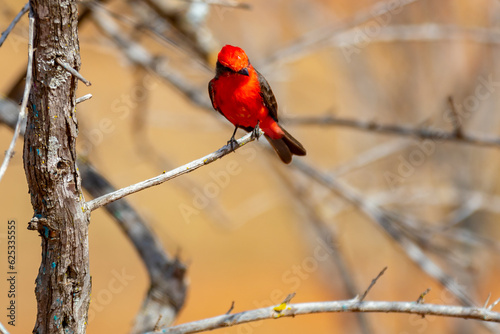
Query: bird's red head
[[233, 57]]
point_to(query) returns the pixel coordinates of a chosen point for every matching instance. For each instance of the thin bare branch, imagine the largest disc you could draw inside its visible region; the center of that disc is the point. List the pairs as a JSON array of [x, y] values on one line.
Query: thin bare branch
[[487, 300], [311, 42], [343, 306], [224, 3], [231, 308], [400, 130], [73, 71], [3, 330], [495, 303], [157, 180], [374, 281], [387, 221], [421, 32], [138, 55], [420, 299], [11, 26], [83, 98], [328, 235], [457, 125], [167, 291], [22, 111]]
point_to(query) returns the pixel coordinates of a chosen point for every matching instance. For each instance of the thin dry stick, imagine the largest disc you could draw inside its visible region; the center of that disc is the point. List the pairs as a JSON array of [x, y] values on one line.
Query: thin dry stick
[[374, 281], [22, 111], [420, 299], [309, 43], [187, 168], [73, 71], [3, 330], [387, 222], [400, 130], [328, 234], [138, 55], [231, 308], [13, 23], [495, 303], [83, 98], [224, 3], [419, 32], [343, 306]]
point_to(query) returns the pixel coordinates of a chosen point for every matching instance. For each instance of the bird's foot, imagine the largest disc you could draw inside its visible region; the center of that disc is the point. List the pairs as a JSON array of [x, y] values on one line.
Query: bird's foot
[[256, 132], [232, 143]]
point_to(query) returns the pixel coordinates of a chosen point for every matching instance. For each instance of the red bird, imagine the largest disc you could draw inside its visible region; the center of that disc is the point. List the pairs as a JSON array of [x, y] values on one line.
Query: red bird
[[243, 96]]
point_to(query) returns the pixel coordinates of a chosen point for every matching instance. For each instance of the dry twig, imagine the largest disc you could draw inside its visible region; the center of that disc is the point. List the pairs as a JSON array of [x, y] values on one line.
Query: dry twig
[[11, 26], [74, 72], [22, 111], [343, 306], [374, 281], [400, 130]]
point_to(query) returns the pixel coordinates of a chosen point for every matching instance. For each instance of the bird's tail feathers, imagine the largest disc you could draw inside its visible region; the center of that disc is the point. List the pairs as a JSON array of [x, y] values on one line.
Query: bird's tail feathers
[[293, 144], [281, 148], [286, 146]]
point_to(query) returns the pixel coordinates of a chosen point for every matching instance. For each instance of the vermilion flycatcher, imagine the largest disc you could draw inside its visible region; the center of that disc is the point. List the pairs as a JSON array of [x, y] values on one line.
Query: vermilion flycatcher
[[244, 97]]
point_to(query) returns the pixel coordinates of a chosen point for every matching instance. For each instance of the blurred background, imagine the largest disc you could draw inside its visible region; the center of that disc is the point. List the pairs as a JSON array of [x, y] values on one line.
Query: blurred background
[[396, 103]]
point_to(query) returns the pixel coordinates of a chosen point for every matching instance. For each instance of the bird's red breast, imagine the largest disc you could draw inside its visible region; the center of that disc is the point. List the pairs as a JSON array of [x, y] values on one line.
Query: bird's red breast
[[238, 96]]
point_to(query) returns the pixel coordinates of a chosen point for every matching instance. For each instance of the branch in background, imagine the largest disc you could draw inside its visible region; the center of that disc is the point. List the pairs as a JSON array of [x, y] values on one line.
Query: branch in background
[[390, 225], [11, 26], [342, 306], [421, 32], [311, 42], [356, 304], [22, 111], [167, 290], [167, 287], [3, 330], [213, 209], [329, 236], [400, 130], [224, 3], [138, 55], [187, 22], [157, 180]]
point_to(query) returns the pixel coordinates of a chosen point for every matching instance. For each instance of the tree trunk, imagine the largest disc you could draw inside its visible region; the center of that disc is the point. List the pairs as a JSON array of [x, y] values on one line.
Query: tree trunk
[[63, 282]]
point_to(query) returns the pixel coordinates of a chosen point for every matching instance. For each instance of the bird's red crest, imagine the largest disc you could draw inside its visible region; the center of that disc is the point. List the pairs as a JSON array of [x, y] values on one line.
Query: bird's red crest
[[233, 57]]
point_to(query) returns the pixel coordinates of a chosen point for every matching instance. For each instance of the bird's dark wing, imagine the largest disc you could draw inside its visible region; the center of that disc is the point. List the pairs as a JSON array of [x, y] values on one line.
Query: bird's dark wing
[[268, 96], [211, 93]]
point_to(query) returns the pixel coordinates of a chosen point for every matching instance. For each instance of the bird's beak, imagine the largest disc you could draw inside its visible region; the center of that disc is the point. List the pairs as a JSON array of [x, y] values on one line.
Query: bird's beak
[[244, 71]]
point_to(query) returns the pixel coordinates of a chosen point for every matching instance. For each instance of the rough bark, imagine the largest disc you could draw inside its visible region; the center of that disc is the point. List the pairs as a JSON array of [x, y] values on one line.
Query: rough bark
[[63, 282]]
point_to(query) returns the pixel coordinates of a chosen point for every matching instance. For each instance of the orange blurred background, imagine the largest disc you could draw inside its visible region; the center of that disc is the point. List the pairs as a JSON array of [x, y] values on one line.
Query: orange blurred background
[[255, 244]]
